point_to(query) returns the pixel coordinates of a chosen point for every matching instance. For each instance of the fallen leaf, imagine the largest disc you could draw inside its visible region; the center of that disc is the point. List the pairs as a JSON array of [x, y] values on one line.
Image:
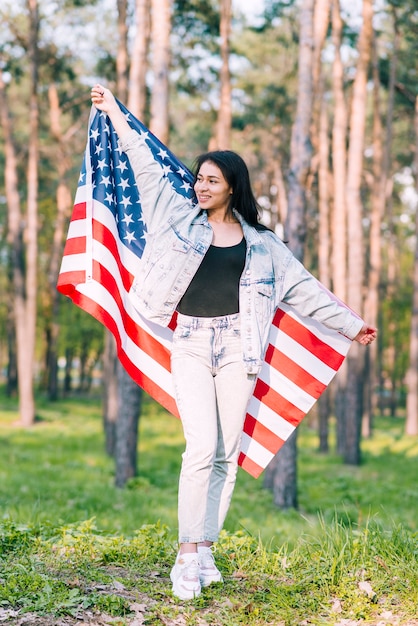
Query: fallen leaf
[[367, 588], [118, 586], [336, 606], [138, 608]]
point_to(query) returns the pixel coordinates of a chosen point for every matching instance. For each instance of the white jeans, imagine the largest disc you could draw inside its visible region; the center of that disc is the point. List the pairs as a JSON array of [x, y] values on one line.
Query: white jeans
[[212, 392]]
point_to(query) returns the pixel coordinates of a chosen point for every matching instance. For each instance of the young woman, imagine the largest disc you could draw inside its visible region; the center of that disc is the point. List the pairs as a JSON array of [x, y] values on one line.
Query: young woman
[[225, 274]]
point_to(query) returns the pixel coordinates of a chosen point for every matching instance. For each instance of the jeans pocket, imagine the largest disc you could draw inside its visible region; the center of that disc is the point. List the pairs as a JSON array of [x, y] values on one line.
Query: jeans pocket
[[181, 332]]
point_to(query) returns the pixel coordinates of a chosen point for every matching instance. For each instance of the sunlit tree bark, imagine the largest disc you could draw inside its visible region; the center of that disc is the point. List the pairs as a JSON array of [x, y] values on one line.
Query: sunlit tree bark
[[339, 212], [137, 95], [355, 276], [64, 204], [121, 395], [23, 237], [160, 44], [282, 473], [222, 138], [16, 310], [320, 27], [122, 51], [381, 188], [339, 162], [411, 424]]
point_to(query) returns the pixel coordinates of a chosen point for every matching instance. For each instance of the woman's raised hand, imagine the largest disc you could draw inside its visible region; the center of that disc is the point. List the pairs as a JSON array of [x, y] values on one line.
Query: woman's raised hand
[[103, 99]]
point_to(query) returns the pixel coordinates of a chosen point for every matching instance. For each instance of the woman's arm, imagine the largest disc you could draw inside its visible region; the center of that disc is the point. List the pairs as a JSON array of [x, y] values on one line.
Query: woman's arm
[[302, 291], [158, 198]]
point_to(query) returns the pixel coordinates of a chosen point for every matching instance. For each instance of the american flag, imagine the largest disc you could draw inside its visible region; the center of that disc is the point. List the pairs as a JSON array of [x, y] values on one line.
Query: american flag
[[105, 242]]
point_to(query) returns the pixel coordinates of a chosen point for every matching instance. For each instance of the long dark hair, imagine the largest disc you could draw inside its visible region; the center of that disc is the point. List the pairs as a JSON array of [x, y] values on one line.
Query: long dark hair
[[235, 172]]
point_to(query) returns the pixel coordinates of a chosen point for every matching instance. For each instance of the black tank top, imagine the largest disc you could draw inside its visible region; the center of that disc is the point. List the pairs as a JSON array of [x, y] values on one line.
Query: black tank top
[[214, 289]]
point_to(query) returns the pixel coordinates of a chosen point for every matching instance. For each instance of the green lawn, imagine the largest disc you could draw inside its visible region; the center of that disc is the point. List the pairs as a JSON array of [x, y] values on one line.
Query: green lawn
[[57, 494]]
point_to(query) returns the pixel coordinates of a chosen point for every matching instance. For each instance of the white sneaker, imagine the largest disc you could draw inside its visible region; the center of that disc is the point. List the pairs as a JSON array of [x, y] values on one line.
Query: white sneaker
[[209, 573], [185, 577]]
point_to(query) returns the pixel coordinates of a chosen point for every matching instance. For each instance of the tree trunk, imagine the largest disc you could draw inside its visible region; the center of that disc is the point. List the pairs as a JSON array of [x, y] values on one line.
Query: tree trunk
[[160, 38], [355, 277], [126, 443], [121, 402], [285, 462], [324, 405], [23, 244], [137, 96], [382, 148], [11, 381], [301, 149], [411, 424], [324, 410], [122, 51], [110, 393], [64, 203], [26, 369], [222, 139], [320, 27], [339, 213]]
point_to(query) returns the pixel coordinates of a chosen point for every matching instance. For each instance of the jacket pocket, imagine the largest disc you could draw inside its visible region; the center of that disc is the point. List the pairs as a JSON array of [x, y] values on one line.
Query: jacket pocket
[[265, 289], [264, 301], [180, 245]]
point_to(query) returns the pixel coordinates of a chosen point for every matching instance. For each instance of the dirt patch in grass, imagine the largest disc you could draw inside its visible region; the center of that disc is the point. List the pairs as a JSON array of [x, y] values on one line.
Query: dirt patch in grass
[[9, 617]]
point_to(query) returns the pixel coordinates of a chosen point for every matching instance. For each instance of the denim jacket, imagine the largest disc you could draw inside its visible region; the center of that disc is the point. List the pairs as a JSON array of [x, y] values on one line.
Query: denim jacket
[[178, 236]]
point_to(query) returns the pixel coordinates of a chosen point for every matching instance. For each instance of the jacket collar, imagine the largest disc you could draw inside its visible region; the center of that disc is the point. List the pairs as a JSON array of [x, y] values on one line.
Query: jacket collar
[[252, 236]]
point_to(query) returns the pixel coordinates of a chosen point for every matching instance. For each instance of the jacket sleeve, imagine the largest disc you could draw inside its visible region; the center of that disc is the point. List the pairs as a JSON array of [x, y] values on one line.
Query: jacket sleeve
[[158, 198], [311, 299]]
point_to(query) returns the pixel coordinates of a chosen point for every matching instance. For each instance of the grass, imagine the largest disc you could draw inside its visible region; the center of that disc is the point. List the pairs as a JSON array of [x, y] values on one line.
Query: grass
[[71, 543]]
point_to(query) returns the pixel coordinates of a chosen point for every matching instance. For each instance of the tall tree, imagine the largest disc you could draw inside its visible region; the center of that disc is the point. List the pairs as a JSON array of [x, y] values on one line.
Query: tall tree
[[23, 239], [122, 51], [282, 474], [160, 42], [137, 94], [355, 275], [16, 309], [64, 203], [381, 189], [339, 212], [31, 234], [320, 142], [121, 395], [222, 137], [411, 425]]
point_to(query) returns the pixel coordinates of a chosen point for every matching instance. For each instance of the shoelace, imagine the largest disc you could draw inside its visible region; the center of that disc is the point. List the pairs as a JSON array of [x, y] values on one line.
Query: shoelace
[[190, 570], [207, 560]]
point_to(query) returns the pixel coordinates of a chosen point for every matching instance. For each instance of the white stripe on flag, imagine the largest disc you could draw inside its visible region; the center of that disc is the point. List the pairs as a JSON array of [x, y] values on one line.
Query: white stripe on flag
[[254, 451], [270, 419], [147, 364], [301, 356]]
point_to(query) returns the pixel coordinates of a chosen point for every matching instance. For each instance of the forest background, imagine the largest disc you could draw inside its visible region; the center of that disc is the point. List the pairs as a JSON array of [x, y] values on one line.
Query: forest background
[[320, 98]]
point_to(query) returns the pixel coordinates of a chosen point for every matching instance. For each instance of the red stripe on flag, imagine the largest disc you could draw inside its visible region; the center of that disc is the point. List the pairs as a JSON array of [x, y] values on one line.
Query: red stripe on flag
[[294, 372], [67, 281], [249, 466], [135, 332], [79, 211], [75, 245], [263, 435], [308, 340], [150, 386], [103, 235], [278, 403]]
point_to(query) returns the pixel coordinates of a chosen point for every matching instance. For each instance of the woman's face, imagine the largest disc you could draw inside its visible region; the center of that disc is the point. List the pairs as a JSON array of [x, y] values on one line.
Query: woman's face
[[212, 190]]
